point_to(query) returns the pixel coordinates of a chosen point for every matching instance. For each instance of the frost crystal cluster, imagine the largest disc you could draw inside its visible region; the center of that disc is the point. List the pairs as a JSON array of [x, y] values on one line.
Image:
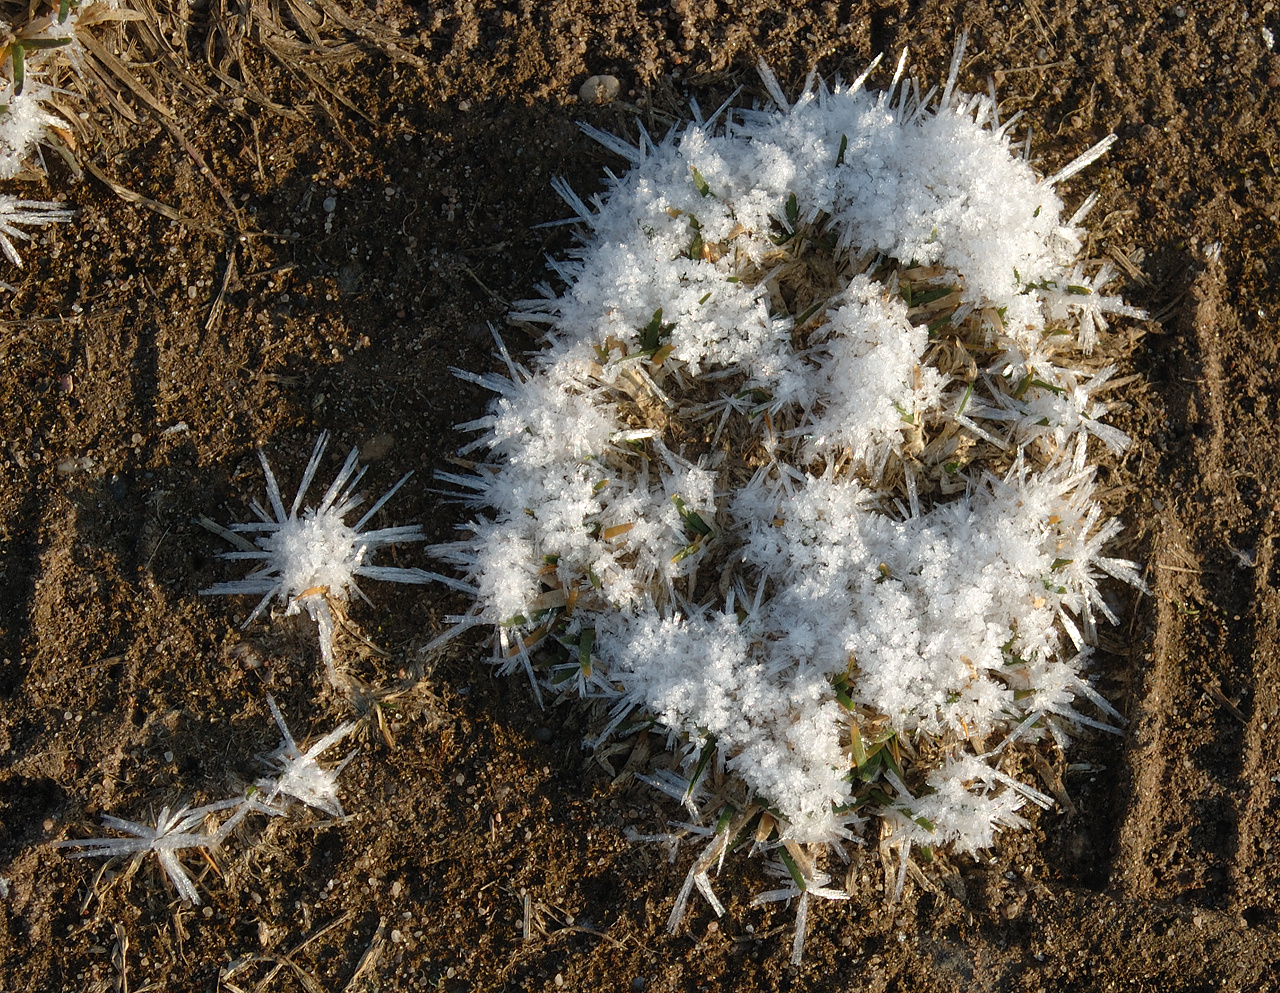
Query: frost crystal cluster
[[30, 53], [298, 775], [803, 472], [310, 557]]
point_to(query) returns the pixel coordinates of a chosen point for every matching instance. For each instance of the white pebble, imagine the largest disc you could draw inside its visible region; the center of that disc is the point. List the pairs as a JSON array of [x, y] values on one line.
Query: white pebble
[[599, 89]]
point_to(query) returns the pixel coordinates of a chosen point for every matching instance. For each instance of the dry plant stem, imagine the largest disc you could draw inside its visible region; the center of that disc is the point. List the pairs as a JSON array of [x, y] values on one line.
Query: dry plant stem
[[163, 209], [261, 24]]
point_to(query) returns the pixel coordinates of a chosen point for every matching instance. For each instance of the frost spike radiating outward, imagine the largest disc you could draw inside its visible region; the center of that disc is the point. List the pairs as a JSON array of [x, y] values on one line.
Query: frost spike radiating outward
[[804, 471], [311, 557], [15, 214], [298, 774], [173, 832]]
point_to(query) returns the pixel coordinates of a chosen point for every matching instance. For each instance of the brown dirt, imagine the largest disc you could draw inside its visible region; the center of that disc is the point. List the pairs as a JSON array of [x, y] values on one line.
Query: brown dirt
[[438, 142]]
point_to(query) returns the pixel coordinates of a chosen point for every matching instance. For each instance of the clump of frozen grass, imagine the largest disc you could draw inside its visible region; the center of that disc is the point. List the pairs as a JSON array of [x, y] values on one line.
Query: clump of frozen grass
[[31, 52], [23, 125], [299, 774], [310, 557], [803, 472], [173, 832]]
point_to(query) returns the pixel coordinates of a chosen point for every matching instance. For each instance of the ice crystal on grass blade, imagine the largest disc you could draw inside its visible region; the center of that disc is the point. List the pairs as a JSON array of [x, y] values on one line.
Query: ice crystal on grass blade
[[299, 775], [32, 51], [23, 125], [311, 556], [804, 472], [16, 214], [173, 832]]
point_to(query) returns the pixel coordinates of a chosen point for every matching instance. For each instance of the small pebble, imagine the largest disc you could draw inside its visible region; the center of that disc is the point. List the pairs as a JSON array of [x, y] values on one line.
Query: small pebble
[[377, 447], [330, 205], [599, 89]]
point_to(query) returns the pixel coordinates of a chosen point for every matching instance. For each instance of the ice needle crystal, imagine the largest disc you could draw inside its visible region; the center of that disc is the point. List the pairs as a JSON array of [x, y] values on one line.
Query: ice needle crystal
[[16, 214], [299, 774]]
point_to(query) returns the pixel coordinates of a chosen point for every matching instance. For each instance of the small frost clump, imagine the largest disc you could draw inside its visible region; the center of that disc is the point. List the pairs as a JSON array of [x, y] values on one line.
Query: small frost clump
[[803, 470], [312, 558], [298, 775], [30, 54], [23, 125], [173, 832]]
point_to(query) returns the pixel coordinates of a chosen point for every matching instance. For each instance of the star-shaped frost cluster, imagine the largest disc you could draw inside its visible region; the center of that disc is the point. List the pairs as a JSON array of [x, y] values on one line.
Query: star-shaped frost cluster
[[173, 831], [309, 555], [299, 775]]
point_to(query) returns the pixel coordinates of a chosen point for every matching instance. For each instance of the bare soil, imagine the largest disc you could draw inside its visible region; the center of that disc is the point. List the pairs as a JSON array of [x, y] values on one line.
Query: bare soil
[[146, 354]]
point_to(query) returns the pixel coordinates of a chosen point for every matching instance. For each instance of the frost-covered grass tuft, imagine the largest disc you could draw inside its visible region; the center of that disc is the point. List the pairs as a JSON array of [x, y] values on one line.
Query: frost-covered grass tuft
[[299, 775], [31, 50], [173, 832], [804, 471], [310, 556], [23, 125]]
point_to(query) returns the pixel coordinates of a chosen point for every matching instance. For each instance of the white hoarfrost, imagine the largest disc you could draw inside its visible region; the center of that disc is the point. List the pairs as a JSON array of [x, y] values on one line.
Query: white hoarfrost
[[27, 96], [43, 51], [37, 46], [23, 124], [298, 775], [172, 833], [15, 214], [311, 557], [803, 472]]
